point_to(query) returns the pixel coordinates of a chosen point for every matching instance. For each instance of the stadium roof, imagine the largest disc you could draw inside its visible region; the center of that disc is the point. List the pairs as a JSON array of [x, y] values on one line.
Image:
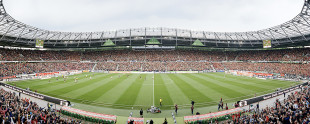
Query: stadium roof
[[293, 32]]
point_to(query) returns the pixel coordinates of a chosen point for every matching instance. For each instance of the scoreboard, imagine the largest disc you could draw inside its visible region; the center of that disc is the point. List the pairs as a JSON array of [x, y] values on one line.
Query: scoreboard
[[39, 43], [267, 43]]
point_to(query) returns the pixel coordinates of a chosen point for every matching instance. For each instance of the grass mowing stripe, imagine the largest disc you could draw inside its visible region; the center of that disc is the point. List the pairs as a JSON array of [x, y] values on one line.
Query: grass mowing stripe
[[161, 92], [36, 82], [52, 84], [188, 90], [33, 82], [45, 90], [97, 92], [130, 95], [176, 94], [27, 82], [145, 95], [78, 92], [269, 82], [252, 83], [205, 88], [245, 86], [68, 83], [113, 94], [41, 85], [211, 79], [221, 89], [77, 85]]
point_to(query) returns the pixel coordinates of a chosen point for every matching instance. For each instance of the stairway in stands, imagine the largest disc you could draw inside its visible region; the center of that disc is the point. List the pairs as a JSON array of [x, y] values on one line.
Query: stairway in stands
[[94, 67], [212, 67]]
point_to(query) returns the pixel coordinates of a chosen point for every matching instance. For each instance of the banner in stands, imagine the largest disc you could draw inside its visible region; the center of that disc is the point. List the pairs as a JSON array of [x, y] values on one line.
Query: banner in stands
[[135, 120], [74, 111], [211, 115], [39, 43], [249, 74], [46, 74], [33, 94], [39, 75], [267, 43], [72, 72], [8, 77], [180, 72], [134, 72], [122, 72]]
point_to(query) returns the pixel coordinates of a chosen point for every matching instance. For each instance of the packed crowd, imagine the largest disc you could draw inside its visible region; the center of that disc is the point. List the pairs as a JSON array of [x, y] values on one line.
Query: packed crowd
[[178, 60], [281, 68], [10, 69], [295, 109], [15, 110], [152, 56], [154, 66], [35, 55]]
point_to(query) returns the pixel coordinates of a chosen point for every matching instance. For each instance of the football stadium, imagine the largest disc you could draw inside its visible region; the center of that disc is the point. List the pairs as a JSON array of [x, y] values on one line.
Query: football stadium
[[155, 75]]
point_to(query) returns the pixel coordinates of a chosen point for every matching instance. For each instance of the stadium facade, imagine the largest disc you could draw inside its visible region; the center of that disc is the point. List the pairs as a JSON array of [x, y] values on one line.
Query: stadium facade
[[294, 32]]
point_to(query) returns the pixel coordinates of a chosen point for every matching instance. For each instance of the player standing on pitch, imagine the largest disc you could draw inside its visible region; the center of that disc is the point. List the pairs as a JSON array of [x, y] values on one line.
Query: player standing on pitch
[[141, 113], [176, 109], [192, 109], [160, 101], [193, 102]]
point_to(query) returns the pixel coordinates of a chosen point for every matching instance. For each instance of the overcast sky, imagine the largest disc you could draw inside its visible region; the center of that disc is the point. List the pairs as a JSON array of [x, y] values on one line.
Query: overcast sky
[[206, 15]]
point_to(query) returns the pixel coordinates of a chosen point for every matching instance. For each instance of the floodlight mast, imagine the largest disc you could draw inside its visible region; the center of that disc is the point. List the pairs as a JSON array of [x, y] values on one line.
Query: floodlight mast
[[293, 31]]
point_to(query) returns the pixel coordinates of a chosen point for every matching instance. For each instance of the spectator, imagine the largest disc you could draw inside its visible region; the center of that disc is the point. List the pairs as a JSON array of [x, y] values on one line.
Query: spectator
[[16, 110], [165, 121], [151, 122], [176, 109], [141, 113]]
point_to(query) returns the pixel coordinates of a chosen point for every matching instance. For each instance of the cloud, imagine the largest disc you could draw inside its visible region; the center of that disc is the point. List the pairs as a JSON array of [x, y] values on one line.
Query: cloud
[[100, 15]]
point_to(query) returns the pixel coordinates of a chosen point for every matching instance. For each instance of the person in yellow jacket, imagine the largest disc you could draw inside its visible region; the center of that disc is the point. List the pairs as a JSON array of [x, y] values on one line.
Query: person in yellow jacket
[[160, 101]]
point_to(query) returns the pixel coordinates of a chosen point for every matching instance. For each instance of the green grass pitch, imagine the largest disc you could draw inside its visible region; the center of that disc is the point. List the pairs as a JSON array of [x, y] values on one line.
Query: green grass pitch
[[127, 91]]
